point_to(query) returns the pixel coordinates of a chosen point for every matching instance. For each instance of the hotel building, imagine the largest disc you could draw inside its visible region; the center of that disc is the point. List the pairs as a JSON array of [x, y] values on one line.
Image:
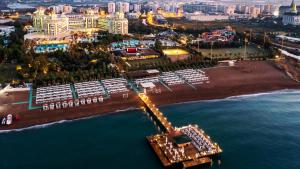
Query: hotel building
[[292, 17], [59, 25], [56, 25], [118, 24]]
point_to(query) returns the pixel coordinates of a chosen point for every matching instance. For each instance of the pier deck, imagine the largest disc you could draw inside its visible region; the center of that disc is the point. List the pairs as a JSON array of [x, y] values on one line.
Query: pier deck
[[196, 162], [183, 147]]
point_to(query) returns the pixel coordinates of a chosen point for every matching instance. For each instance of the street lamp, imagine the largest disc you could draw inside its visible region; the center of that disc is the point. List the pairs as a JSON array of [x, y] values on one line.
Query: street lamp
[[211, 46], [245, 51]]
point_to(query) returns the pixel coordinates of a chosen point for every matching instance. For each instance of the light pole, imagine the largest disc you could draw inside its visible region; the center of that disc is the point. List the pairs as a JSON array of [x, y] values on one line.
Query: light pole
[[245, 51], [281, 47], [265, 38], [211, 46], [250, 36], [198, 45]]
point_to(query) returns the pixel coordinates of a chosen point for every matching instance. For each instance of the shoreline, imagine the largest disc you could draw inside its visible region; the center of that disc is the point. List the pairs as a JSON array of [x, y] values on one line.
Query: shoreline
[[247, 78], [237, 97], [39, 126], [44, 125]]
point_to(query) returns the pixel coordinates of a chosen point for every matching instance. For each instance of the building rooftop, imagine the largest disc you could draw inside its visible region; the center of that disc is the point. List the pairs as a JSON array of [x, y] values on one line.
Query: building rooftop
[[292, 14]]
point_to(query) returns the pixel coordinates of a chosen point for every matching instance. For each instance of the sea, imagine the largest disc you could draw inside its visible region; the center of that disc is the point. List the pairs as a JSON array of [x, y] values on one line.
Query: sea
[[260, 131]]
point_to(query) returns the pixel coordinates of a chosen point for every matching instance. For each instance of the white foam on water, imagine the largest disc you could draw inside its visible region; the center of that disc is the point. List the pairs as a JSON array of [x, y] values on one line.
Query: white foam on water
[[35, 126], [39, 126], [284, 91], [238, 97]]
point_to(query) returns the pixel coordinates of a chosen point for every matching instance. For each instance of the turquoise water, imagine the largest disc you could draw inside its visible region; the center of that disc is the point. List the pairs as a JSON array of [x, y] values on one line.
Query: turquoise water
[[255, 132], [50, 47]]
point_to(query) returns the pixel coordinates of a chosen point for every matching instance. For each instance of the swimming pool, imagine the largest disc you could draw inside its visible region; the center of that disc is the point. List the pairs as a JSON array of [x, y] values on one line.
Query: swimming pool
[[50, 48]]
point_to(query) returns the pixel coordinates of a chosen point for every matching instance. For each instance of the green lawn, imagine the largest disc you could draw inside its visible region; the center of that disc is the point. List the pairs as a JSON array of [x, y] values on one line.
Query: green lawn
[[146, 61], [252, 51]]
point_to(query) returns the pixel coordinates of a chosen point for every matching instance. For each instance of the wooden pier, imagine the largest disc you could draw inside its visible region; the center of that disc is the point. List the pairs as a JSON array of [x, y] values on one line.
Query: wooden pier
[[167, 126], [182, 147]]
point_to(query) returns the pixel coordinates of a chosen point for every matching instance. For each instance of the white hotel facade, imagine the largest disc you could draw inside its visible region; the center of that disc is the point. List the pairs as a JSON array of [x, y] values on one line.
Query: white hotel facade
[[63, 24], [292, 17]]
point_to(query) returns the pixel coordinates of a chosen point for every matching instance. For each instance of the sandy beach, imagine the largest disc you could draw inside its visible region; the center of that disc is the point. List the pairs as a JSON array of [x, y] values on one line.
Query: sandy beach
[[246, 77]]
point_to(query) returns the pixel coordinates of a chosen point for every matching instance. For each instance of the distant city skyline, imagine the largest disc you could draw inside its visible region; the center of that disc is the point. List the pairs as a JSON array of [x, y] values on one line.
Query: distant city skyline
[[281, 2]]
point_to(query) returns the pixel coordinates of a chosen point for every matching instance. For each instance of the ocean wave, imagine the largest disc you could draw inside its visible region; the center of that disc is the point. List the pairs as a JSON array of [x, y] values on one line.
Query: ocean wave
[[127, 109], [40, 126], [239, 97], [283, 91]]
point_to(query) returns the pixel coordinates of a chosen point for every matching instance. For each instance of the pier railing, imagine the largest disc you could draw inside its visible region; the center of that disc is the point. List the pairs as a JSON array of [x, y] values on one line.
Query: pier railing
[[158, 114]]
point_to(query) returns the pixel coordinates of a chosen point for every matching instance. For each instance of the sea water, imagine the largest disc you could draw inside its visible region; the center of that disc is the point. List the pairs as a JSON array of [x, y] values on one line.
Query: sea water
[[255, 132]]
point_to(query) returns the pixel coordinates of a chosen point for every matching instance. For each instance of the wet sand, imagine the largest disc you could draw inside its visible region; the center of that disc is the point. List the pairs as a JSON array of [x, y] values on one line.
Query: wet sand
[[246, 77]]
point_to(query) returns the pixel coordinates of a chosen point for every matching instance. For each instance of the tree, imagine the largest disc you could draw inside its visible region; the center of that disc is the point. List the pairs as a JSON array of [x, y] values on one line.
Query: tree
[[158, 45]]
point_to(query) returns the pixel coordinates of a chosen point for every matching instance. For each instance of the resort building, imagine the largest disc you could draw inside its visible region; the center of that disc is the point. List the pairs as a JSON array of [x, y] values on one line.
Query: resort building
[[52, 24], [103, 22], [76, 21], [38, 19], [89, 21], [292, 17], [53, 31], [118, 24], [55, 25]]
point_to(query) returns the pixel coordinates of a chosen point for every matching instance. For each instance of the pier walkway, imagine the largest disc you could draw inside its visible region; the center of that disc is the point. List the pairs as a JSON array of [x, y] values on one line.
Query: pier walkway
[[159, 115]]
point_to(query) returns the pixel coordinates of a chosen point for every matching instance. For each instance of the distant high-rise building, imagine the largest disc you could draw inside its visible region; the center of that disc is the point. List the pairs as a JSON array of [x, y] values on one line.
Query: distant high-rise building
[[254, 11], [67, 9], [229, 10], [111, 7], [119, 7], [245, 9], [137, 7], [125, 7], [268, 8], [122, 7], [61, 9]]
